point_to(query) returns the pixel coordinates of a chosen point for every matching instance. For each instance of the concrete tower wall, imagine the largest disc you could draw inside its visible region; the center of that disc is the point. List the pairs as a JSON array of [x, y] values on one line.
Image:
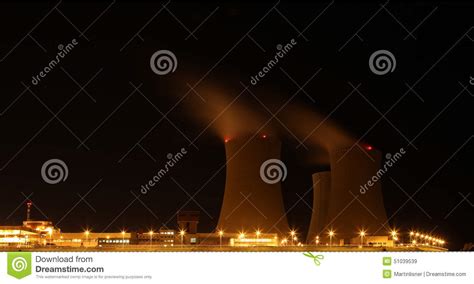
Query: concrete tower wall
[[250, 203], [351, 169], [321, 198]]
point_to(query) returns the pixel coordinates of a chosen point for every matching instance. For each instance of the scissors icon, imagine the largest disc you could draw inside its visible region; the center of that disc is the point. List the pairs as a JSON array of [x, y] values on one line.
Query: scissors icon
[[315, 258]]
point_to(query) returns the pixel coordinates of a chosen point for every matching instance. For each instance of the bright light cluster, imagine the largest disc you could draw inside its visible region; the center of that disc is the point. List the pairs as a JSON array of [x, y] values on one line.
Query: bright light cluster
[[421, 238]]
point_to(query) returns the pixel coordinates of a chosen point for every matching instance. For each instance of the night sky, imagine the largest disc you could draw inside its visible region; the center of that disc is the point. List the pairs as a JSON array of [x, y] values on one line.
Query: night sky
[[114, 138]]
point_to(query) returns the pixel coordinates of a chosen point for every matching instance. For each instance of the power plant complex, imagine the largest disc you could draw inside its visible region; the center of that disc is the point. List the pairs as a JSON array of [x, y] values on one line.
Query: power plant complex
[[253, 212], [250, 202]]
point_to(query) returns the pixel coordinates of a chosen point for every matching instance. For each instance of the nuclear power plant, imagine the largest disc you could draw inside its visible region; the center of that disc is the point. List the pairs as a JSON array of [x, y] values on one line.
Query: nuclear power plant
[[249, 202], [253, 216], [338, 204]]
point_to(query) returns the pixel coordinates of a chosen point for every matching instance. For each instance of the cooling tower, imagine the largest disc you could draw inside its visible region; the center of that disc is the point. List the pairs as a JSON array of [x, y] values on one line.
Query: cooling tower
[[321, 197], [249, 202], [349, 210]]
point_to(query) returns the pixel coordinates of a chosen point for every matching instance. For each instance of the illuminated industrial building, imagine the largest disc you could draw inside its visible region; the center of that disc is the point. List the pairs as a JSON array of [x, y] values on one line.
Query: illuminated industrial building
[[42, 227], [164, 237], [92, 239], [31, 233], [19, 235], [374, 241], [270, 240]]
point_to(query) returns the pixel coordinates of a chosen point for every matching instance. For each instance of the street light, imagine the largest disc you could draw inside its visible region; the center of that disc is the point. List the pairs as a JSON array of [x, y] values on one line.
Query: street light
[[87, 232], [317, 240], [361, 234], [292, 234], [182, 233], [331, 234], [151, 236], [257, 234], [394, 236], [221, 233], [241, 235]]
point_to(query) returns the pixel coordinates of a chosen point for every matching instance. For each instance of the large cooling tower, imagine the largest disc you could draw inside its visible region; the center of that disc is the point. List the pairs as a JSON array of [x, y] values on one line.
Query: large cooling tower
[[321, 197], [249, 202], [349, 210]]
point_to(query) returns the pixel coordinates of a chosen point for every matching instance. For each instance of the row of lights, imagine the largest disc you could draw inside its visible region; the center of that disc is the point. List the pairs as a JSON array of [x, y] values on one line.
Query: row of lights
[[417, 237], [88, 232], [394, 234], [181, 234], [241, 234], [293, 238], [151, 232]]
